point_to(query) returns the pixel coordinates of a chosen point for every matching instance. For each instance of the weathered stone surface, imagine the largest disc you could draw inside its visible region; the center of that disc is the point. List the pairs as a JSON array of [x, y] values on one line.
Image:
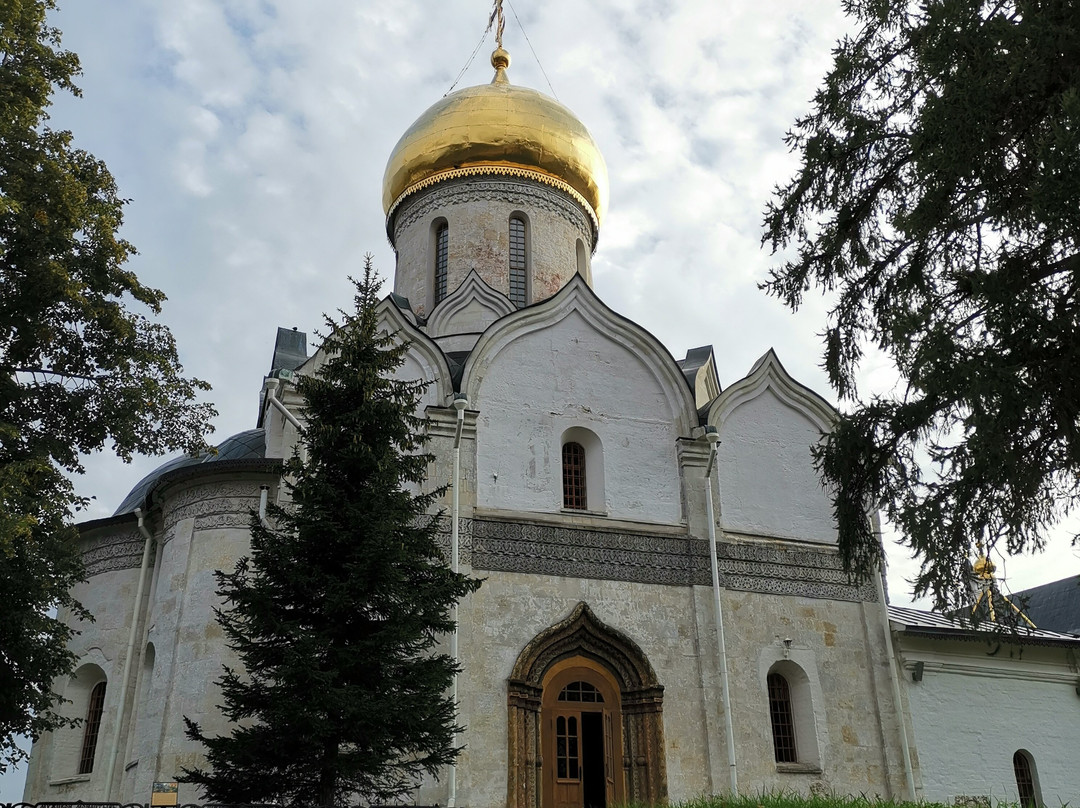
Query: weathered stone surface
[[616, 556], [477, 211], [106, 552]]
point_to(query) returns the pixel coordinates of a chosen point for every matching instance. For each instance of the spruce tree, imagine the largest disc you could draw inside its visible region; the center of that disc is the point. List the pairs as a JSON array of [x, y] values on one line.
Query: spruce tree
[[338, 609]]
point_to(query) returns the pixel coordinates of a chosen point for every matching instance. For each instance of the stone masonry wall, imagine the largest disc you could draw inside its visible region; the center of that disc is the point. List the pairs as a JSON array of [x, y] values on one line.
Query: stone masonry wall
[[477, 211]]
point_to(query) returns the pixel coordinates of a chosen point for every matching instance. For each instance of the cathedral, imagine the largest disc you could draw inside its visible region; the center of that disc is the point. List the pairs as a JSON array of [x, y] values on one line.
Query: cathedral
[[663, 613]]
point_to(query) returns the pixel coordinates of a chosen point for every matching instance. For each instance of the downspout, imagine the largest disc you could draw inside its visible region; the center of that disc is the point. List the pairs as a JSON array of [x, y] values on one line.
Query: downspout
[[713, 437], [271, 387], [460, 403], [114, 752], [264, 495], [894, 679]]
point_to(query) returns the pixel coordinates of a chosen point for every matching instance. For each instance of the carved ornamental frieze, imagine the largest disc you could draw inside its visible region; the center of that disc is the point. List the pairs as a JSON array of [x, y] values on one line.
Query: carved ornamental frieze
[[521, 192], [573, 552], [443, 538], [110, 553], [213, 505]]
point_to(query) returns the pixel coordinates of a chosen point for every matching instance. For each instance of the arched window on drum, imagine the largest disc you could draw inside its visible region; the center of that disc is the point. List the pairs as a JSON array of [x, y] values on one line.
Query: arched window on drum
[[442, 258], [519, 260]]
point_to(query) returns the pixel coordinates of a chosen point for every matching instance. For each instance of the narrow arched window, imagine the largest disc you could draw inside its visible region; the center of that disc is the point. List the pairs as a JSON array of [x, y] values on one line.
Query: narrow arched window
[[91, 728], [573, 477], [442, 255], [783, 719], [1025, 780], [518, 261]]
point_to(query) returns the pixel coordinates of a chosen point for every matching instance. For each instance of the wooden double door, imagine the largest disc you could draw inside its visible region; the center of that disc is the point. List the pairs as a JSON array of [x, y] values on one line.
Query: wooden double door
[[581, 732]]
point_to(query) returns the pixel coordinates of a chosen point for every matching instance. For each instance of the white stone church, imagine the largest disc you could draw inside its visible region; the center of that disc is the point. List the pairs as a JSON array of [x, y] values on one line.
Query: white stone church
[[602, 663]]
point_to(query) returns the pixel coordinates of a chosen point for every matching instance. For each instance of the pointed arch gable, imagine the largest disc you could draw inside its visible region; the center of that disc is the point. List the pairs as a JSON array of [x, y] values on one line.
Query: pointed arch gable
[[769, 374], [424, 361], [578, 297], [428, 355], [422, 350], [472, 307], [769, 425], [569, 361]]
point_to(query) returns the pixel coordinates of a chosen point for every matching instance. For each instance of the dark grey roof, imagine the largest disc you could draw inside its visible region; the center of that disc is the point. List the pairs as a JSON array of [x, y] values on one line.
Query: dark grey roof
[[1054, 606], [241, 446], [694, 361], [456, 360], [931, 624], [401, 301], [290, 349]]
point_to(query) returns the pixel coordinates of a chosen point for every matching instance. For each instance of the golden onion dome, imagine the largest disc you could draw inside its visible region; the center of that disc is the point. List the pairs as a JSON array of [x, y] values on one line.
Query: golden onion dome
[[498, 128]]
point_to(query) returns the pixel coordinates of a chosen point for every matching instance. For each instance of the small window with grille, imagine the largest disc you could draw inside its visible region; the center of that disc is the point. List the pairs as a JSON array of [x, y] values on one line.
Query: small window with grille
[[573, 476], [442, 254], [1025, 780], [783, 719], [91, 728], [518, 261]]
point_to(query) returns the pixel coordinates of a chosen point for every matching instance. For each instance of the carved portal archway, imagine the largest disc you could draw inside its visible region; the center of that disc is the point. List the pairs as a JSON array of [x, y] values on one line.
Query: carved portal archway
[[582, 635]]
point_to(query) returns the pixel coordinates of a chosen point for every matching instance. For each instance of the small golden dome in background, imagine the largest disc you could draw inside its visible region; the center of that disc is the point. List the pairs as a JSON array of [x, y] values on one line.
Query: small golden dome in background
[[984, 567], [498, 128]]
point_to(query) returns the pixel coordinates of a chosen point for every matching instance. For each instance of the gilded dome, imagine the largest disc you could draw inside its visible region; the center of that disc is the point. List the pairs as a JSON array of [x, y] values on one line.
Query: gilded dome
[[498, 128]]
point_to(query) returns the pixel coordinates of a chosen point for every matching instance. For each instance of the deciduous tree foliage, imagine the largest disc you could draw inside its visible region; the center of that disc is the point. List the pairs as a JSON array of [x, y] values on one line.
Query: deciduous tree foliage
[[78, 369], [336, 613], [938, 204]]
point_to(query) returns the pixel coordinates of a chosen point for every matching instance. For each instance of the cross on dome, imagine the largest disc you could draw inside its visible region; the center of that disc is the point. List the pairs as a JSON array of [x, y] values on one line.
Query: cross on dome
[[498, 17]]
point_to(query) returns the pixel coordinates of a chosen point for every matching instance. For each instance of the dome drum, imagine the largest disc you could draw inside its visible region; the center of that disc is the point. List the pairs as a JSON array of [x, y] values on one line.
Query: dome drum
[[477, 210]]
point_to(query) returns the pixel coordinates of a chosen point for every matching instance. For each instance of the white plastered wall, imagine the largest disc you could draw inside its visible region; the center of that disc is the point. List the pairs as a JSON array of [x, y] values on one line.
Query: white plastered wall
[[206, 530], [768, 424], [978, 703], [423, 362], [831, 640], [68, 741], [573, 373], [768, 483], [99, 647]]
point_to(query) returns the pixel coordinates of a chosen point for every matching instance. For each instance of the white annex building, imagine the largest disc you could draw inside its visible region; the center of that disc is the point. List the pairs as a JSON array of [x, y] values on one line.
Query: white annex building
[[602, 663]]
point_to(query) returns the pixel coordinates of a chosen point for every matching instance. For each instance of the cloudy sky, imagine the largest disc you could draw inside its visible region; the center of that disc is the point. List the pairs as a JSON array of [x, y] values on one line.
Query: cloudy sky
[[251, 137]]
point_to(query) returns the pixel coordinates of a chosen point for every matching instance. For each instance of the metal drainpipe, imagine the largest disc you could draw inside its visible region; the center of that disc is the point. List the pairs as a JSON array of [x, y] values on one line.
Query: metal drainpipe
[[264, 495], [114, 753], [271, 387], [460, 403], [713, 437], [894, 679]]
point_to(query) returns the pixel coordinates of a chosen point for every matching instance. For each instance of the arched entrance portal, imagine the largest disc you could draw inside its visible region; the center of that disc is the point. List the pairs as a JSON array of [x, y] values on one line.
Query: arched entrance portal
[[585, 720]]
